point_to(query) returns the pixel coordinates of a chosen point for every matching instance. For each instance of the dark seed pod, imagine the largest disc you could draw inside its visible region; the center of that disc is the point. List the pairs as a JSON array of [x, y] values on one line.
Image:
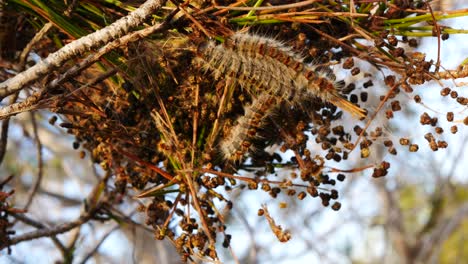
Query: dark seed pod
[[336, 206], [450, 116], [454, 129], [445, 91], [392, 40], [349, 63], [413, 148], [417, 99], [355, 71], [341, 177], [53, 119]]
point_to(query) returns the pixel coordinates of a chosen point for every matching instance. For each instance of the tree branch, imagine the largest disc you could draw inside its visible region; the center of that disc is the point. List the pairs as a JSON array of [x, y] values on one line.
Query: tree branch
[[32, 102], [80, 46], [32, 222], [47, 232]]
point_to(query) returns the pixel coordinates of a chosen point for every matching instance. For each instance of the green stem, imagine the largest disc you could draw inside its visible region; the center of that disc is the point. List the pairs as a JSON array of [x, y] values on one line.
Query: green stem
[[428, 32], [399, 22], [257, 4]]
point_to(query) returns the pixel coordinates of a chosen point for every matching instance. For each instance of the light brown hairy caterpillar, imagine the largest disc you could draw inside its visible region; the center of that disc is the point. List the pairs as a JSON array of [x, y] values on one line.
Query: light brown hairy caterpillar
[[260, 46], [265, 64], [251, 73], [239, 140], [271, 73]]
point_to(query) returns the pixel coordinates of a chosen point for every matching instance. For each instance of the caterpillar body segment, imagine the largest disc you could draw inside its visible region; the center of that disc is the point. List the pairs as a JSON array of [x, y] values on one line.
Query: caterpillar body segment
[[271, 73], [239, 140], [271, 63]]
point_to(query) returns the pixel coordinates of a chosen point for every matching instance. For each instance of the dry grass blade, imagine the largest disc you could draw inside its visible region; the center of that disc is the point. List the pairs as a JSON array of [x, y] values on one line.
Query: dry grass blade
[[282, 235]]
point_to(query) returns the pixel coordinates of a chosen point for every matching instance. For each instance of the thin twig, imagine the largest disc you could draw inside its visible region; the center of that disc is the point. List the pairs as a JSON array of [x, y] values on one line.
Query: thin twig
[[47, 232], [437, 29], [39, 35], [4, 132], [96, 248], [40, 164], [94, 203], [224, 98], [23, 218]]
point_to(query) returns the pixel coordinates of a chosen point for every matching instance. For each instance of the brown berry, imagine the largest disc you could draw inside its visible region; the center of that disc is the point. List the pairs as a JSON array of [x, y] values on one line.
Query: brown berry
[[433, 145], [357, 129], [389, 114], [385, 165], [425, 119], [429, 137], [404, 141], [53, 119], [349, 63], [312, 191], [355, 71], [368, 84], [388, 143], [76, 145], [450, 116], [413, 43], [364, 97], [341, 177], [454, 129], [453, 94], [379, 172], [462, 100], [417, 99], [336, 206], [413, 148], [396, 106], [442, 144], [390, 80], [398, 52], [392, 40], [445, 91], [301, 195]]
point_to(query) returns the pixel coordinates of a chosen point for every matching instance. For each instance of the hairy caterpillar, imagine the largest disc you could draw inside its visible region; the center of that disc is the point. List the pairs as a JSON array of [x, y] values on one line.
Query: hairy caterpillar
[[239, 140], [260, 46], [266, 64], [249, 72], [271, 72]]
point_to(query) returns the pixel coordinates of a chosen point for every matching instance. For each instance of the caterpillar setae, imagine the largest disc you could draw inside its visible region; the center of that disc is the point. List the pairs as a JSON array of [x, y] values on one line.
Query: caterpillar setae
[[265, 64], [239, 139], [252, 74], [271, 72]]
